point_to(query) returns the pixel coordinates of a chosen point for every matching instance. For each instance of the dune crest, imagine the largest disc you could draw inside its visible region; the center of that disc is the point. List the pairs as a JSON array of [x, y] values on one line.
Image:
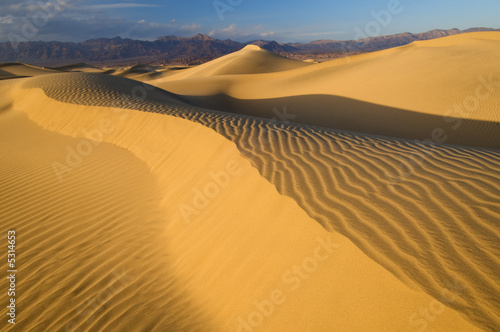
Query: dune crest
[[249, 60], [252, 48], [17, 69], [403, 92], [205, 252], [140, 208]]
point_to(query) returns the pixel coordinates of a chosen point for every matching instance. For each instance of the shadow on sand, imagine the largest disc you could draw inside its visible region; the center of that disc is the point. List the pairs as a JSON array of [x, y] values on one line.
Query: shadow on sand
[[353, 115]]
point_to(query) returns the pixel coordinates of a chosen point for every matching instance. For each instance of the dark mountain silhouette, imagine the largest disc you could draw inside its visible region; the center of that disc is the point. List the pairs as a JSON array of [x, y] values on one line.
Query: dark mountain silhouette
[[192, 50]]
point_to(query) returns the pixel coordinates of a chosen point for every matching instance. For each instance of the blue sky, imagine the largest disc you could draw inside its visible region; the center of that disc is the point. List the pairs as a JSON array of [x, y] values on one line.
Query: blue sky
[[241, 20]]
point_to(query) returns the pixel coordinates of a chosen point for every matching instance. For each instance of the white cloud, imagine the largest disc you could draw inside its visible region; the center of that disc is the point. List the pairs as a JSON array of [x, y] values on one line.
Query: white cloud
[[74, 20], [229, 29], [190, 27], [6, 19], [120, 5], [326, 34], [267, 34], [241, 34]]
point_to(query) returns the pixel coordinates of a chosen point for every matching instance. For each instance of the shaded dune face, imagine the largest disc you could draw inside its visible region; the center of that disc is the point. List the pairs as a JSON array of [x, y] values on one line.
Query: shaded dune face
[[427, 213], [64, 229], [250, 60], [342, 113], [445, 90], [15, 70], [101, 90]]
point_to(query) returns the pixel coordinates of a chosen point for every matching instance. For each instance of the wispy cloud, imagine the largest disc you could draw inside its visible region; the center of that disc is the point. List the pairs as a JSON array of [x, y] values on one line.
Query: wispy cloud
[[6, 19], [267, 34], [190, 27], [241, 34], [230, 29], [315, 34], [120, 5]]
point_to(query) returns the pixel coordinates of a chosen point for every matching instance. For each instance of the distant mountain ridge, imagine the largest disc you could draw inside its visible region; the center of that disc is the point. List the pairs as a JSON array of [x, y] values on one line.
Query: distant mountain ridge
[[191, 50]]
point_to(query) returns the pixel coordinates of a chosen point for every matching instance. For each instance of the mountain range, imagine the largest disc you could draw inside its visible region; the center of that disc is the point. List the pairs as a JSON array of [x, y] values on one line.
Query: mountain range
[[197, 49]]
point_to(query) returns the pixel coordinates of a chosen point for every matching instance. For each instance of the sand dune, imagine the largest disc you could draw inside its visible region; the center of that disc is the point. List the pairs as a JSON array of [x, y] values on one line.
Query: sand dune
[[81, 67], [16, 70], [137, 210], [138, 70], [145, 73], [402, 92], [250, 60], [154, 167], [70, 276]]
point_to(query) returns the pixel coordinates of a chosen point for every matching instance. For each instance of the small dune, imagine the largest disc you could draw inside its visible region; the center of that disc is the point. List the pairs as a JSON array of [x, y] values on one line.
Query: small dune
[[18, 69], [138, 70], [250, 60], [80, 67]]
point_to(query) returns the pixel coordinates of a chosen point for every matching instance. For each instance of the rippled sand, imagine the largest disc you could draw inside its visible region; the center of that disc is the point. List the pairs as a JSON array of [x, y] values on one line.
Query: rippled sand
[[143, 209]]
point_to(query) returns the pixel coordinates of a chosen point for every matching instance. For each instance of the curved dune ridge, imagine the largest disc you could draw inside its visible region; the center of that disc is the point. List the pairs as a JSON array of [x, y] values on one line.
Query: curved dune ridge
[[250, 60], [98, 90], [69, 276], [105, 242], [209, 223], [17, 69], [147, 73], [433, 227], [145, 70], [80, 67], [445, 89]]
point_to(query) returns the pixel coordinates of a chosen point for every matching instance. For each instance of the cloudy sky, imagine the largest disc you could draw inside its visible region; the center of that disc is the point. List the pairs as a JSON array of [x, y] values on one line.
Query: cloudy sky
[[241, 20]]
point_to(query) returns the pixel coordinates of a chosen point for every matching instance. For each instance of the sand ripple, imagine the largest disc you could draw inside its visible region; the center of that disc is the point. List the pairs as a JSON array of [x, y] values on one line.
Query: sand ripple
[[427, 213]]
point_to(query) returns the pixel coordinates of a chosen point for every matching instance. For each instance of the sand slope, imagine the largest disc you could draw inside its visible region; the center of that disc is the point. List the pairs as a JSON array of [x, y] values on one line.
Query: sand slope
[[196, 267], [137, 210], [250, 60], [15, 70], [402, 92], [80, 67]]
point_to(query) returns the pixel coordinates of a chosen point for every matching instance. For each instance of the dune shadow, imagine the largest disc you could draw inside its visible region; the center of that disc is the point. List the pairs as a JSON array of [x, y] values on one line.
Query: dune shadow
[[90, 250], [5, 74], [342, 113], [425, 213]]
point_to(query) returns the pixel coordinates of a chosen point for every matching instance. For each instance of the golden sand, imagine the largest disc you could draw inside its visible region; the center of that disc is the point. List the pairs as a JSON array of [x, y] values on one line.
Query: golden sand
[[135, 210]]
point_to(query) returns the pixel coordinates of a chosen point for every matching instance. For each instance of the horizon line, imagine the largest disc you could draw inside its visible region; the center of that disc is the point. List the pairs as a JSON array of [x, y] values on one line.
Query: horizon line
[[249, 41]]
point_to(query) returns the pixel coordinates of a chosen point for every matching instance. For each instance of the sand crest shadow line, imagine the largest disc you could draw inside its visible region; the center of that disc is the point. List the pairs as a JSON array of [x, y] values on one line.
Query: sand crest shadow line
[[348, 114]]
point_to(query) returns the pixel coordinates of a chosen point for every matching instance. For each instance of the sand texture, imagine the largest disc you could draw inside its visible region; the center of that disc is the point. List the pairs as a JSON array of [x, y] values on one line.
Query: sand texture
[[257, 193]]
